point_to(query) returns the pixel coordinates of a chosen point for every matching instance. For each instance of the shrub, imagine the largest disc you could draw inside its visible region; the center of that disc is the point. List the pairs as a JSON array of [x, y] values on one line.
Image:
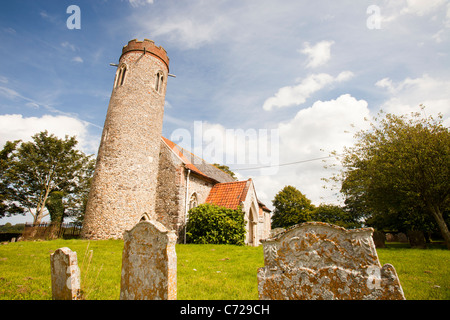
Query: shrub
[[211, 224]]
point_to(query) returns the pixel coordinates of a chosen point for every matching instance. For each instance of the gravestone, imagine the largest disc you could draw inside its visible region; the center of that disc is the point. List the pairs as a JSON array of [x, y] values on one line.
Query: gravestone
[[65, 274], [149, 263], [379, 239], [317, 260], [417, 239], [401, 237]]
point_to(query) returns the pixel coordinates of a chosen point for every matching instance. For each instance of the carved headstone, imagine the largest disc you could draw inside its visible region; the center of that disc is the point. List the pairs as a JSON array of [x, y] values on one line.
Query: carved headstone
[[149, 263], [316, 260], [65, 274]]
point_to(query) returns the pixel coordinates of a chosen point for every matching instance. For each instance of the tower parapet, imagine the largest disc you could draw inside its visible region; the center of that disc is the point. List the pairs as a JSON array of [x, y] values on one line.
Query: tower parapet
[[147, 46]]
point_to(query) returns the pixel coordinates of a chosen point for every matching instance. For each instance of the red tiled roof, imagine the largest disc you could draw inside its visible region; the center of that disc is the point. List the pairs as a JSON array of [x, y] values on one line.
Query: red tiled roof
[[196, 164], [178, 152], [229, 194]]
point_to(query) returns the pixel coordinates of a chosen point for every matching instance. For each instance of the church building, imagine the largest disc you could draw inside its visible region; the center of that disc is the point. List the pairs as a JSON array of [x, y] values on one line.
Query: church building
[[185, 181], [140, 175]]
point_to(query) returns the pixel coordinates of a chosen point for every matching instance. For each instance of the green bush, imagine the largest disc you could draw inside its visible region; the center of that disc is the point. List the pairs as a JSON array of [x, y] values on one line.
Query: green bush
[[211, 224]]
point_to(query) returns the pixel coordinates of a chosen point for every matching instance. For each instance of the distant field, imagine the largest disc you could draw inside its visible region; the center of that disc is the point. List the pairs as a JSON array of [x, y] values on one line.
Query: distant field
[[210, 272]]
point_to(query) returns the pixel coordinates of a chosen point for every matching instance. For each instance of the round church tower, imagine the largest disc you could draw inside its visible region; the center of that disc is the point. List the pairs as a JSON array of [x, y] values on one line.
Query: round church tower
[[124, 184]]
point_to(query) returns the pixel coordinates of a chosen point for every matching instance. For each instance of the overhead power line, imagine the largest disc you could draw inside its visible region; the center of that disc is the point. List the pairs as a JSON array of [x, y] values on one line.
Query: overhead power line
[[286, 164]]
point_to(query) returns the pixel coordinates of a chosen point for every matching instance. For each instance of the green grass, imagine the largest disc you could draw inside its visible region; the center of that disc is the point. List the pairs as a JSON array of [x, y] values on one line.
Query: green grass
[[210, 272], [424, 273], [218, 272], [25, 268]]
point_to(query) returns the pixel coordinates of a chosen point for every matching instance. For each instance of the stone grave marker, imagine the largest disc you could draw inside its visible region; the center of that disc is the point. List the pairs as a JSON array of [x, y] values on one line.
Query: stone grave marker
[[379, 239], [149, 263], [417, 239], [317, 260], [65, 274]]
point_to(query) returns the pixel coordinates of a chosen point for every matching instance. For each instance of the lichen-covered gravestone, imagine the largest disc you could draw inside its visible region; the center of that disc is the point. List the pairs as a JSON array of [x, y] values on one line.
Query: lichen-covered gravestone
[[317, 260], [65, 274], [149, 263]]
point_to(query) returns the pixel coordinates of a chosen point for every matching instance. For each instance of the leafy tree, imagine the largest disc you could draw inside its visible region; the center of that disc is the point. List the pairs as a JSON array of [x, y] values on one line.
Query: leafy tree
[[7, 208], [225, 169], [215, 225], [290, 207], [38, 172], [335, 215], [55, 206], [400, 166]]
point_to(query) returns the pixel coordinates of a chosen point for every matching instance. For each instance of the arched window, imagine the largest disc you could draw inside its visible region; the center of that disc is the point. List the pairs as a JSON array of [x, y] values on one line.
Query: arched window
[[159, 81], [193, 202], [145, 217], [120, 76]]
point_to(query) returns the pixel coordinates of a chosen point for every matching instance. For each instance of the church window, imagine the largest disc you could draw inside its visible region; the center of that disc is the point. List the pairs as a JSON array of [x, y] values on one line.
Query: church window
[[120, 76], [193, 202], [159, 81]]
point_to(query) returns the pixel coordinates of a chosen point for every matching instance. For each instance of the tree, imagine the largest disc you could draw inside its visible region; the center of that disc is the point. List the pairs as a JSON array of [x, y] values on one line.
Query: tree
[[290, 207], [335, 215], [7, 208], [225, 169], [47, 165], [55, 206], [402, 166]]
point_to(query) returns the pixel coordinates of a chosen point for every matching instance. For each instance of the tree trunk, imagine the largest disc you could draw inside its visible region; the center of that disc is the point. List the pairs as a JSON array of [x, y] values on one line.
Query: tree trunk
[[41, 207], [437, 214]]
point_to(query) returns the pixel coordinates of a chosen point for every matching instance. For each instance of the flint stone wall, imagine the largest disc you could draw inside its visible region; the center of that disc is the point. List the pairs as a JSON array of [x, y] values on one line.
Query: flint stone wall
[[321, 261], [149, 263]]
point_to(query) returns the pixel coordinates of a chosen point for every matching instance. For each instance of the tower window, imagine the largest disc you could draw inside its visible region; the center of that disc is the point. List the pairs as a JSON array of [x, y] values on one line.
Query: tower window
[[159, 81], [120, 76]]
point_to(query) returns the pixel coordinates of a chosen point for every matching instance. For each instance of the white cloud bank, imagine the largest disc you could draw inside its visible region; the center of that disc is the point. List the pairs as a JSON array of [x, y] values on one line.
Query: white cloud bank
[[17, 127], [296, 95], [408, 94], [313, 133]]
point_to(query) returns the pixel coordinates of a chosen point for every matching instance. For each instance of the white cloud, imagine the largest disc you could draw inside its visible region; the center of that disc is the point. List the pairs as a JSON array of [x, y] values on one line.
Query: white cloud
[[421, 7], [68, 45], [392, 10], [77, 59], [10, 93], [407, 95], [15, 127], [314, 132], [138, 3], [318, 54], [296, 95]]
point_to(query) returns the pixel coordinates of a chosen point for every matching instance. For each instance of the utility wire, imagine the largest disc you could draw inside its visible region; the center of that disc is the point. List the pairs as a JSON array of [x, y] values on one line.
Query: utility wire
[[286, 164]]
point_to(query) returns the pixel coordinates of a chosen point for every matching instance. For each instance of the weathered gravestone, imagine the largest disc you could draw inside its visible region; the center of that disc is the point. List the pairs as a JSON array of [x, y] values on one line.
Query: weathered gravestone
[[65, 274], [149, 263], [316, 260], [417, 239], [379, 239]]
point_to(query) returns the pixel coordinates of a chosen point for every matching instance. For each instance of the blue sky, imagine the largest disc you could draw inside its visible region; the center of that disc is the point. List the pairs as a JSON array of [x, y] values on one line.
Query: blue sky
[[305, 72]]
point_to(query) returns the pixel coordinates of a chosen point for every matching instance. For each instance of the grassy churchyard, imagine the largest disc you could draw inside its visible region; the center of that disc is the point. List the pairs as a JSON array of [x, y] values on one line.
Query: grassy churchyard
[[209, 272]]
